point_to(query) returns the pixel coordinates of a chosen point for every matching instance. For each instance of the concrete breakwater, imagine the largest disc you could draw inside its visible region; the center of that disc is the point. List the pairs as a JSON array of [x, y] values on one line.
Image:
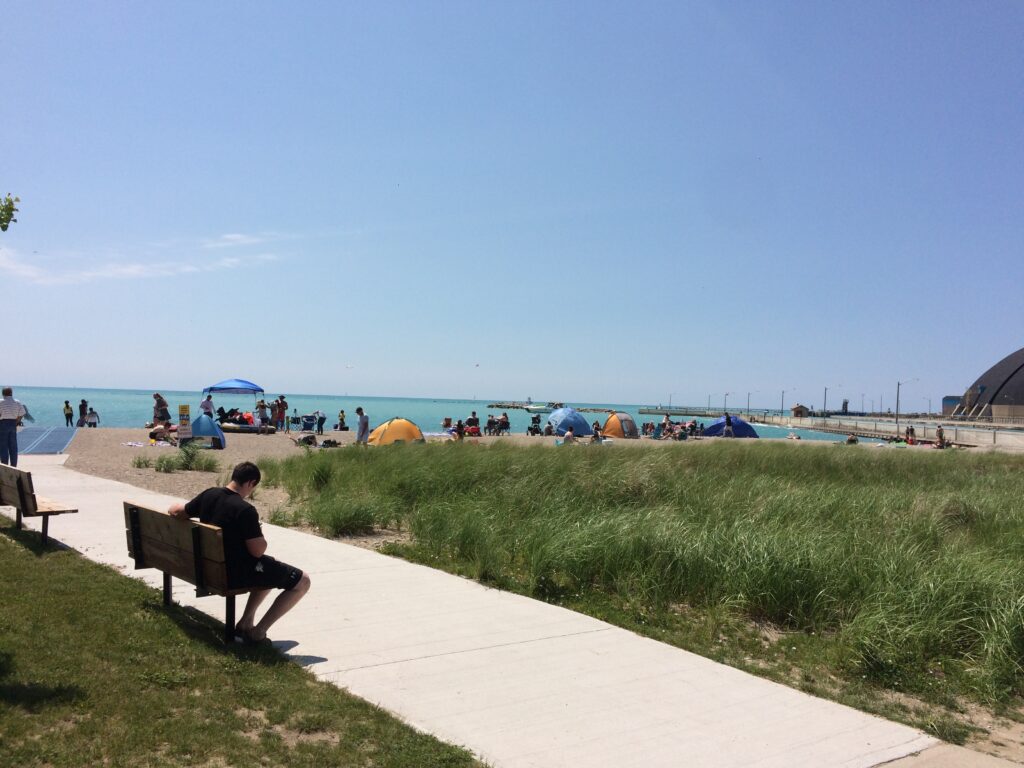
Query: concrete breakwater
[[970, 436]]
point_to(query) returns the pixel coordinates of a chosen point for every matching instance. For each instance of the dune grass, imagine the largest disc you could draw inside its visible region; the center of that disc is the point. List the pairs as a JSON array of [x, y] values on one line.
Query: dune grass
[[899, 569], [95, 671]]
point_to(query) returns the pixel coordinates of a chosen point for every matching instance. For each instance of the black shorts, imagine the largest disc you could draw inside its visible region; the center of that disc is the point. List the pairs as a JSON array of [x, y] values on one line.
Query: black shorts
[[269, 573]]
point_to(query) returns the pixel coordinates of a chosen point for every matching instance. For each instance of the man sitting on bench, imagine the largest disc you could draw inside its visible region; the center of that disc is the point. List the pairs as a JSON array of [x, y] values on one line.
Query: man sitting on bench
[[245, 549]]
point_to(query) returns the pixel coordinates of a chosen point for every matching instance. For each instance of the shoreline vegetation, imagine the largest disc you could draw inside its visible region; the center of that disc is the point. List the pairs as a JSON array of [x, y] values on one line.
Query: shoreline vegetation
[[887, 580]]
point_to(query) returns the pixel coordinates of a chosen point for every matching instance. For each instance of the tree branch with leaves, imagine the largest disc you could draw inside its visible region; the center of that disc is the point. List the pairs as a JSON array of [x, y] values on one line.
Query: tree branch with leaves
[[7, 211]]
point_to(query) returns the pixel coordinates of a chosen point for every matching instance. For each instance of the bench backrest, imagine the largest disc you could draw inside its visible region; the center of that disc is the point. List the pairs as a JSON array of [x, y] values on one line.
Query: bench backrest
[[16, 490], [186, 549]]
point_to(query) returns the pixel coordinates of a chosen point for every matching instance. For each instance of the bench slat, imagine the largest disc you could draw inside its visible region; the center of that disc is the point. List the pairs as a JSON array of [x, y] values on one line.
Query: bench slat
[[46, 506], [177, 532], [179, 563]]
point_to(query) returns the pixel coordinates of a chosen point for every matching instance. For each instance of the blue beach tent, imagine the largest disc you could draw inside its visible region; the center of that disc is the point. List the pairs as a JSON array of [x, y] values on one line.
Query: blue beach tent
[[564, 418], [740, 428], [234, 387], [204, 426]]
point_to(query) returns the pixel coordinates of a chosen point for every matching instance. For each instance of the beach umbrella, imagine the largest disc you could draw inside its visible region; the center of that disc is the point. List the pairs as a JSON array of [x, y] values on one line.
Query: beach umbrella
[[563, 418], [396, 430], [620, 424], [740, 428]]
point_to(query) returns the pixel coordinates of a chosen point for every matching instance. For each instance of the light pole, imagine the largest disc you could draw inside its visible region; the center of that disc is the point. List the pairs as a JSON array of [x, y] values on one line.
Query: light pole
[[862, 402], [670, 400], [725, 401], [824, 407], [782, 403], [898, 385], [929, 404], [748, 401], [709, 403]]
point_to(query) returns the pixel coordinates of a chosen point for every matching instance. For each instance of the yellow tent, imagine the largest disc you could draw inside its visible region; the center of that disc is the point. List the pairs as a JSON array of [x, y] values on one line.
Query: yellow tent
[[620, 425], [396, 430]]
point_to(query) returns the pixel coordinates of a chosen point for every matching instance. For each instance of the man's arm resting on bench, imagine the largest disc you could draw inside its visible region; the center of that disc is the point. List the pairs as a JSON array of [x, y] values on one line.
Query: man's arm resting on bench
[[177, 510]]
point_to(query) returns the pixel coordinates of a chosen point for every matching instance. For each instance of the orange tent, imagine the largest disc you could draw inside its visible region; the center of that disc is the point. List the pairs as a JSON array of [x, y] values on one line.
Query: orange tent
[[620, 425], [396, 430]]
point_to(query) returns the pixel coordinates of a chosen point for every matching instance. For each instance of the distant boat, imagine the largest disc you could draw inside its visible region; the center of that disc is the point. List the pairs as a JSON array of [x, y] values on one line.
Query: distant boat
[[548, 408]]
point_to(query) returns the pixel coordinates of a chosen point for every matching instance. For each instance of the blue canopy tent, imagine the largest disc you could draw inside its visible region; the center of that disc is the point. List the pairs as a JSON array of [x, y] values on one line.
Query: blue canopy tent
[[234, 387], [204, 426], [563, 418], [740, 428]]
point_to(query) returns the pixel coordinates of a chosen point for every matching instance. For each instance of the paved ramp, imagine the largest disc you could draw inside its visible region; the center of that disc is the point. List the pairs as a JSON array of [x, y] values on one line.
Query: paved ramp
[[522, 683], [40, 440]]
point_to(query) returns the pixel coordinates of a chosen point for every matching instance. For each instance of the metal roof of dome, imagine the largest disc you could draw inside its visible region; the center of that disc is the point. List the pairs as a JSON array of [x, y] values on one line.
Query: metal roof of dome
[[1002, 384]]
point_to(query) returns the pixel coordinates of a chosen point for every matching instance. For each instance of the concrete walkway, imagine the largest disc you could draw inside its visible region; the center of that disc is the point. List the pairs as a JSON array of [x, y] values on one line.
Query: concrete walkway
[[517, 681]]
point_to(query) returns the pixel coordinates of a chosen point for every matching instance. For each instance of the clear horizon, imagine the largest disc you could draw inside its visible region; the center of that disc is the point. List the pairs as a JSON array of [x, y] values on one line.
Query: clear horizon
[[624, 204]]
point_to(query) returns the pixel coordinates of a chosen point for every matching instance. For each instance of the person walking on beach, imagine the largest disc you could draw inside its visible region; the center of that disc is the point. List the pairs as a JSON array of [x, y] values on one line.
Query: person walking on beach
[[341, 421], [207, 406], [275, 413], [363, 431], [727, 431], [92, 419], [11, 414], [285, 422], [321, 418], [83, 408], [161, 411], [261, 415], [248, 565], [69, 414]]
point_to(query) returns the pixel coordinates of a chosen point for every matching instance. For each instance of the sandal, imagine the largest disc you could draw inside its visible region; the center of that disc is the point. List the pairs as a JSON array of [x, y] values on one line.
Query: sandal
[[247, 638]]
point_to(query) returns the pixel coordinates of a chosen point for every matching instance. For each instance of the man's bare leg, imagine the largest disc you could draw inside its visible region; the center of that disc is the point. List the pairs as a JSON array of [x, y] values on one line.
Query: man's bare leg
[[248, 620], [284, 603]]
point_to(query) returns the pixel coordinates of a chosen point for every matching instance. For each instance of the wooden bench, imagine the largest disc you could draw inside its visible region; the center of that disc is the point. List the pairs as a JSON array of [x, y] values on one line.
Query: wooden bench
[[16, 491], [186, 549]]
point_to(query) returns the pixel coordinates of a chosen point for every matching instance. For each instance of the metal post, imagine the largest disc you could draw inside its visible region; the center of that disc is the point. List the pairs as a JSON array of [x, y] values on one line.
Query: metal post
[[229, 619], [898, 408], [824, 407]]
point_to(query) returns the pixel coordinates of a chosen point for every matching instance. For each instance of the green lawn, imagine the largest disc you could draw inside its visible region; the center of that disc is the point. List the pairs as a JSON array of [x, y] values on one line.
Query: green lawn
[[95, 671], [862, 574]]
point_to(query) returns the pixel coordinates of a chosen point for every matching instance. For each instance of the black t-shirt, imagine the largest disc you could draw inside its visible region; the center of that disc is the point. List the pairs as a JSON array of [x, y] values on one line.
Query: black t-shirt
[[239, 521]]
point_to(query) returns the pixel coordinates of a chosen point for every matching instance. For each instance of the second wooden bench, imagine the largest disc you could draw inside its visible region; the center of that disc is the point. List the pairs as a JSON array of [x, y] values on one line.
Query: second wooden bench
[[16, 491]]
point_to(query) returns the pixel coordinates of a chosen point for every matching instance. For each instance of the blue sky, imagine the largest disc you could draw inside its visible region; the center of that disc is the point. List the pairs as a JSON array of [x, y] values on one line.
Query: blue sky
[[576, 201]]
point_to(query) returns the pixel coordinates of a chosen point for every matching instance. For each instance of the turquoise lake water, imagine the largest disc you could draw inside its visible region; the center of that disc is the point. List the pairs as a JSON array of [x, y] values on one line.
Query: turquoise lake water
[[133, 408]]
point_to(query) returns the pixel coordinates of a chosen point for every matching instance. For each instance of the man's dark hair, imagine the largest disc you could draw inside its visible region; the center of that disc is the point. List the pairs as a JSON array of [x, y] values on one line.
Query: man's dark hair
[[246, 472]]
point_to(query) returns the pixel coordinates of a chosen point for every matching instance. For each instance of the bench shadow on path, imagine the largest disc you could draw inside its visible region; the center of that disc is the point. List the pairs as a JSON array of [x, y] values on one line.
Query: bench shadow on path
[[204, 629]]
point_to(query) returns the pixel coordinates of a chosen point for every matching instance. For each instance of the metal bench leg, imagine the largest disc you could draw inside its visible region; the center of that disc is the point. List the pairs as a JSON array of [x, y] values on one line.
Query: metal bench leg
[[46, 527], [229, 619], [17, 523], [167, 588]]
